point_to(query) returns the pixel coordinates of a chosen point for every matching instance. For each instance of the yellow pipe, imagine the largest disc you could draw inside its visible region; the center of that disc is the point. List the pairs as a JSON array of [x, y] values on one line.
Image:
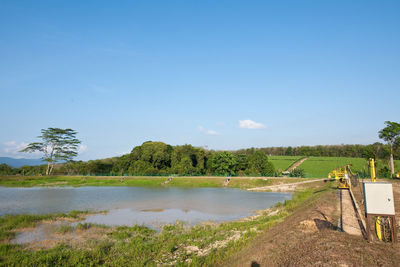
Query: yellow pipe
[[378, 219], [372, 169], [378, 228]]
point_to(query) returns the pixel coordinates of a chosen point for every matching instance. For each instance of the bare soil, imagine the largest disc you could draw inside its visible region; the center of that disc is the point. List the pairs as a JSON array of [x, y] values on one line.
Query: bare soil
[[350, 222], [309, 237], [288, 187]]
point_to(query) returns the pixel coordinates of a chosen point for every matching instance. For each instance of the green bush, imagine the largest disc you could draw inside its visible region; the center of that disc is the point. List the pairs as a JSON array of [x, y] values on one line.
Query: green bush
[[298, 172]]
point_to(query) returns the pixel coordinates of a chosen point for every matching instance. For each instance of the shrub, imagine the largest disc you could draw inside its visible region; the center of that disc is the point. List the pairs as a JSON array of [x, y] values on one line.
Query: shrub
[[298, 172]]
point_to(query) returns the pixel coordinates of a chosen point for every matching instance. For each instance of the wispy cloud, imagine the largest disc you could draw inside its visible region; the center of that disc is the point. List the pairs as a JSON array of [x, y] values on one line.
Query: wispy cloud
[[82, 149], [209, 132], [12, 149], [249, 124]]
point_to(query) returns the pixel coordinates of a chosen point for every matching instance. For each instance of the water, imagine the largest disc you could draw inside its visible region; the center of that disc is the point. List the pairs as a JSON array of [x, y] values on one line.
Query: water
[[135, 205]]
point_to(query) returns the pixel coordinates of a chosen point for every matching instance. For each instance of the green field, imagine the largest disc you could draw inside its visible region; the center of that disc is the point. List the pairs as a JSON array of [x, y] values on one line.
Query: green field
[[140, 181], [319, 167], [283, 162]]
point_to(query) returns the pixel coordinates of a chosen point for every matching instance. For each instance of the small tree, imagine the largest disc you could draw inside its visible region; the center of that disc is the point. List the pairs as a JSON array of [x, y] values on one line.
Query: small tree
[[57, 145], [390, 134]]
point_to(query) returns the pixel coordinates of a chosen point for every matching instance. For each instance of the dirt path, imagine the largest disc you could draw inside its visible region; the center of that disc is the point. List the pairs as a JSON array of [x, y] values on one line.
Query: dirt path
[[285, 187], [309, 237], [296, 164], [350, 223]]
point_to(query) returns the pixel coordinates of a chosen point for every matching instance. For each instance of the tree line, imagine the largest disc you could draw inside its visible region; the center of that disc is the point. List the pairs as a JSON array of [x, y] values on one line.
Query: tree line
[[158, 158], [376, 150]]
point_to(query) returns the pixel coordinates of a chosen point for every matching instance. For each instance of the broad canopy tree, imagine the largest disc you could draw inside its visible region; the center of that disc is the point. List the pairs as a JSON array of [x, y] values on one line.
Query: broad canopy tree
[[223, 163], [391, 134], [56, 145]]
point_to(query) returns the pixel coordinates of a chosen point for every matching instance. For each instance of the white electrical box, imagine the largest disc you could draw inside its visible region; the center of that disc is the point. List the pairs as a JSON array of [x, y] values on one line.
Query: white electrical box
[[378, 198]]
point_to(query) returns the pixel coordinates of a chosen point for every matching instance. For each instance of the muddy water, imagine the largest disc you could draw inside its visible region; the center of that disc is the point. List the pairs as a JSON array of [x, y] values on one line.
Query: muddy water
[[134, 205]]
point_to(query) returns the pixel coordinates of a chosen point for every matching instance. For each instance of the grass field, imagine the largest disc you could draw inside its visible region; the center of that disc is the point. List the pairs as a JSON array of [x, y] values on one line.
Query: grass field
[[140, 181], [283, 162], [314, 167], [319, 167]]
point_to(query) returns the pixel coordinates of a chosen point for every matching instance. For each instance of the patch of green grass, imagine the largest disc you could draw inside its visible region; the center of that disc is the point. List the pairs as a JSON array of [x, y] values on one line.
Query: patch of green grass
[[236, 182], [196, 182], [85, 226], [125, 232], [29, 181], [380, 163], [283, 162], [63, 229], [145, 181], [76, 213], [320, 167], [249, 183], [10, 222], [145, 247]]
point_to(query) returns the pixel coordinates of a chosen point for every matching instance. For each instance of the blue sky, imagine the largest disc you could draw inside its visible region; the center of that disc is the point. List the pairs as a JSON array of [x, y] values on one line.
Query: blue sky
[[217, 74]]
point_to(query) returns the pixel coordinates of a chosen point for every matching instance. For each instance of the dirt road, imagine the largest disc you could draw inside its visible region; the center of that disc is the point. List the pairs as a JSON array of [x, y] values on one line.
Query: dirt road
[[296, 164], [349, 219]]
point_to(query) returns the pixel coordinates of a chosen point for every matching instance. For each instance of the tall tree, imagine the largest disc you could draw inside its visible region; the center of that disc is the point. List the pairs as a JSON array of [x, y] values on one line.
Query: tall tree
[[57, 145], [259, 164], [391, 134], [223, 163]]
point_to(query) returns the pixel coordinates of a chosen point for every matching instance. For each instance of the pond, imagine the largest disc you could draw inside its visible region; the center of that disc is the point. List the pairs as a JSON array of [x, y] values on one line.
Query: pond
[[152, 207]]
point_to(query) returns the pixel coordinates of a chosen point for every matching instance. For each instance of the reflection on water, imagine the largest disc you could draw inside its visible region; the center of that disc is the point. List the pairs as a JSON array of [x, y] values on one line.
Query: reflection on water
[[156, 219], [135, 205], [39, 233]]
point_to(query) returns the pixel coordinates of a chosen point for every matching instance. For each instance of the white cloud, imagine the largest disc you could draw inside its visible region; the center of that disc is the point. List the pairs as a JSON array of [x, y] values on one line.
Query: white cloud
[[249, 124], [82, 148], [10, 143], [12, 149], [212, 132], [209, 132]]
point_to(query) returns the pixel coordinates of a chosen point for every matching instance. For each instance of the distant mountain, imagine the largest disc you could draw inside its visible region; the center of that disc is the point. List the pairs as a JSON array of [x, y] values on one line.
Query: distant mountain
[[16, 163]]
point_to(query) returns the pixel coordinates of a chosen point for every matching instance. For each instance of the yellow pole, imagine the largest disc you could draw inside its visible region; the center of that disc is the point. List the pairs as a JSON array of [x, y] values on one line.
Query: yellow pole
[[378, 219], [378, 228], [372, 169]]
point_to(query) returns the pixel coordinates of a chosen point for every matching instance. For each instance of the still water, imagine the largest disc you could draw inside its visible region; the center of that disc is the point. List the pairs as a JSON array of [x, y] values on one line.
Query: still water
[[136, 205]]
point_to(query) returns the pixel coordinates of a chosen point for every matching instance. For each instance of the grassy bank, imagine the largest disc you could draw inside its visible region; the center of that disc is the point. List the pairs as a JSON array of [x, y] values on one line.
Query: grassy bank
[[121, 246], [141, 181]]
